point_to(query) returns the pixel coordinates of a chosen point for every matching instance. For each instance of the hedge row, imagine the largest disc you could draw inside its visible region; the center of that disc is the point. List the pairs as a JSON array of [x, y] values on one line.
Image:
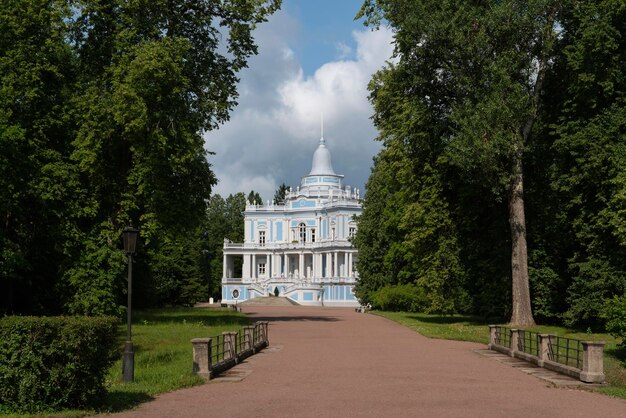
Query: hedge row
[[51, 363], [405, 298]]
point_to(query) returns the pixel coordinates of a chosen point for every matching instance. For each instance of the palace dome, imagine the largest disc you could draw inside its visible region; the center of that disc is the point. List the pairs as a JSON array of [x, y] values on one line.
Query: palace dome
[[322, 164]]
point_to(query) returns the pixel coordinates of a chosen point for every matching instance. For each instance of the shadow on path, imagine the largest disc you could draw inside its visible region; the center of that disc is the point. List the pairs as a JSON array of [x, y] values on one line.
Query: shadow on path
[[293, 318]]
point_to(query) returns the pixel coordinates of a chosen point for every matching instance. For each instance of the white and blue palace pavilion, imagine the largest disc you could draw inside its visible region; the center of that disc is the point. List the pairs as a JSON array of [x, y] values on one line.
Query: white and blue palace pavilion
[[300, 250]]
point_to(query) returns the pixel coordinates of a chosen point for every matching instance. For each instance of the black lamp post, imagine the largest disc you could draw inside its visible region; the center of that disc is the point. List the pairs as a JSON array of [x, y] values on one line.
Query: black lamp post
[[129, 236]]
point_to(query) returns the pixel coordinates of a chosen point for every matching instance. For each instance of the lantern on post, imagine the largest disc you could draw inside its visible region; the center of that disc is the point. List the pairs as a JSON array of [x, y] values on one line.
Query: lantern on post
[[129, 236]]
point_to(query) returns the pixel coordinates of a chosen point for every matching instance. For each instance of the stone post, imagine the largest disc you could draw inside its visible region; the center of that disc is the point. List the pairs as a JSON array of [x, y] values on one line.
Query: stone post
[[545, 341], [262, 330], [202, 357], [248, 338], [493, 337], [230, 345], [593, 362], [514, 341]]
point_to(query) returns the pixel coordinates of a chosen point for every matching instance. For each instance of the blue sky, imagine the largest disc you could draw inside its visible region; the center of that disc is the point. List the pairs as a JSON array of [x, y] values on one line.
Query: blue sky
[[313, 58], [324, 24]]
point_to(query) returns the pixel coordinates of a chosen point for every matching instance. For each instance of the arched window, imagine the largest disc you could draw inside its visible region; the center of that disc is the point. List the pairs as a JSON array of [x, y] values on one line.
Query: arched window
[[302, 232]]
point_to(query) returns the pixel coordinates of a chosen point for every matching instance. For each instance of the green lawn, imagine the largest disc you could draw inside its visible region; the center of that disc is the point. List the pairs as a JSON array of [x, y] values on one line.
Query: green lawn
[[161, 340], [475, 329], [163, 354]]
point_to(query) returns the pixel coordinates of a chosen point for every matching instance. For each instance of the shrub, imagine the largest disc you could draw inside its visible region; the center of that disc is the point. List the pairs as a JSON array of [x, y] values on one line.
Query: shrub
[[407, 298], [49, 363], [615, 315]]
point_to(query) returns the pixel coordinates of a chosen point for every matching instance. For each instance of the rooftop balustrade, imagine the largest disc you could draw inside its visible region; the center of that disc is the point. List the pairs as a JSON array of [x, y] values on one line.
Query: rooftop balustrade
[[286, 245]]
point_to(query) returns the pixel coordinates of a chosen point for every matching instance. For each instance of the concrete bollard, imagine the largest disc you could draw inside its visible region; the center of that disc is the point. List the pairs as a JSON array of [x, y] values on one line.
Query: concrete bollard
[[493, 336], [202, 357], [514, 341], [593, 362], [545, 341], [264, 326], [248, 338]]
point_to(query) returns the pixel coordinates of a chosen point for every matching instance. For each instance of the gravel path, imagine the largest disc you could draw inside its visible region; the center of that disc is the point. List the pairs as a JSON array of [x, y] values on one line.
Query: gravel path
[[328, 362]]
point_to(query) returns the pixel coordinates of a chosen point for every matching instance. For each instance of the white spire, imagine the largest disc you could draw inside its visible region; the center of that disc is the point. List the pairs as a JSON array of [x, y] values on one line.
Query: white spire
[[321, 158]]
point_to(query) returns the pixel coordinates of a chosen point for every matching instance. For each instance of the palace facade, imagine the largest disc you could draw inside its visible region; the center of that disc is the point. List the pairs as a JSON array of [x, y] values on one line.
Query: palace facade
[[301, 249]]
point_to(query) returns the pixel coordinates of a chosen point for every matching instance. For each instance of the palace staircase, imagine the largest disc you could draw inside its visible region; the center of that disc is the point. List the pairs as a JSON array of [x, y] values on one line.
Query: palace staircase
[[269, 301]]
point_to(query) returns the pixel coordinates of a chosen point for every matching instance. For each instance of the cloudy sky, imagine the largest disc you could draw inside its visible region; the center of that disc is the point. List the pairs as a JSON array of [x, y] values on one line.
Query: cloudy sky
[[313, 59]]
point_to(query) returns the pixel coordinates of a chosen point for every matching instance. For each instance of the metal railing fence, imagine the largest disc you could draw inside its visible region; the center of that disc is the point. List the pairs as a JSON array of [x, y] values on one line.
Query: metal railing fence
[[528, 342], [567, 351]]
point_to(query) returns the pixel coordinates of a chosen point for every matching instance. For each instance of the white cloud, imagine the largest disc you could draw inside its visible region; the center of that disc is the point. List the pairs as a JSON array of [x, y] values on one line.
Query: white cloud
[[343, 50], [274, 131]]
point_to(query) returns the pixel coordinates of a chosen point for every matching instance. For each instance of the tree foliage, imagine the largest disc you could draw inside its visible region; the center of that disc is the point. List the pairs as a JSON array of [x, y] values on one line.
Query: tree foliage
[[494, 114], [224, 221], [103, 108], [254, 198], [280, 194]]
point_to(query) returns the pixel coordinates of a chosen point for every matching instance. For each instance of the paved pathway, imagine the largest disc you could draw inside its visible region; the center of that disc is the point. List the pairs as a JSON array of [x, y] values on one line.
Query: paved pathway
[[326, 362]]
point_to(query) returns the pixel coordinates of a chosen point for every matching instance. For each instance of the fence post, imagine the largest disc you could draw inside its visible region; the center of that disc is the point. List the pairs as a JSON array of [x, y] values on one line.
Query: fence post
[[493, 337], [513, 341], [230, 345], [248, 336], [262, 331], [265, 333], [545, 340], [593, 362], [202, 357]]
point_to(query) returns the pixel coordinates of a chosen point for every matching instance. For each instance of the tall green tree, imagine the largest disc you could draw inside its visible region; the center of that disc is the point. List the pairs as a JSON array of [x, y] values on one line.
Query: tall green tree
[[588, 169], [38, 185], [279, 195], [105, 104], [406, 234], [254, 198], [224, 220], [478, 68]]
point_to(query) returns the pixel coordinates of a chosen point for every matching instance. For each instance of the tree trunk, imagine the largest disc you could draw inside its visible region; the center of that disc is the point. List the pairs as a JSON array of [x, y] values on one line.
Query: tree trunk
[[521, 311]]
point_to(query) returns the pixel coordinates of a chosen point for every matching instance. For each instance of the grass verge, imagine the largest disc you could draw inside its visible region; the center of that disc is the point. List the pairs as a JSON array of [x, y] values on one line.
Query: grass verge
[[161, 341], [475, 329]]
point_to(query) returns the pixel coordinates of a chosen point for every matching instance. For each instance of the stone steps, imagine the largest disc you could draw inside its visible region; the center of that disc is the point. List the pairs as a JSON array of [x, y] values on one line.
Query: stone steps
[[269, 301]]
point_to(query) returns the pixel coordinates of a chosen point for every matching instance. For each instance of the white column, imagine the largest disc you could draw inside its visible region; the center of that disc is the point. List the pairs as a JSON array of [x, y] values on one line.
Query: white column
[[224, 267], [350, 264], [274, 264], [254, 270], [336, 264], [327, 270], [244, 267], [285, 265], [316, 265], [301, 265], [345, 264]]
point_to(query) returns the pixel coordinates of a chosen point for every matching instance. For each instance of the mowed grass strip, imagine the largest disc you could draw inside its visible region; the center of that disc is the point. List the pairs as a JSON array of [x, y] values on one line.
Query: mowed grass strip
[[163, 351], [475, 329]]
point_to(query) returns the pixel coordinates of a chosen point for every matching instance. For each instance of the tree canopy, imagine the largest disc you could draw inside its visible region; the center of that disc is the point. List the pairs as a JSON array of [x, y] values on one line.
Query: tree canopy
[[501, 124], [103, 108]]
